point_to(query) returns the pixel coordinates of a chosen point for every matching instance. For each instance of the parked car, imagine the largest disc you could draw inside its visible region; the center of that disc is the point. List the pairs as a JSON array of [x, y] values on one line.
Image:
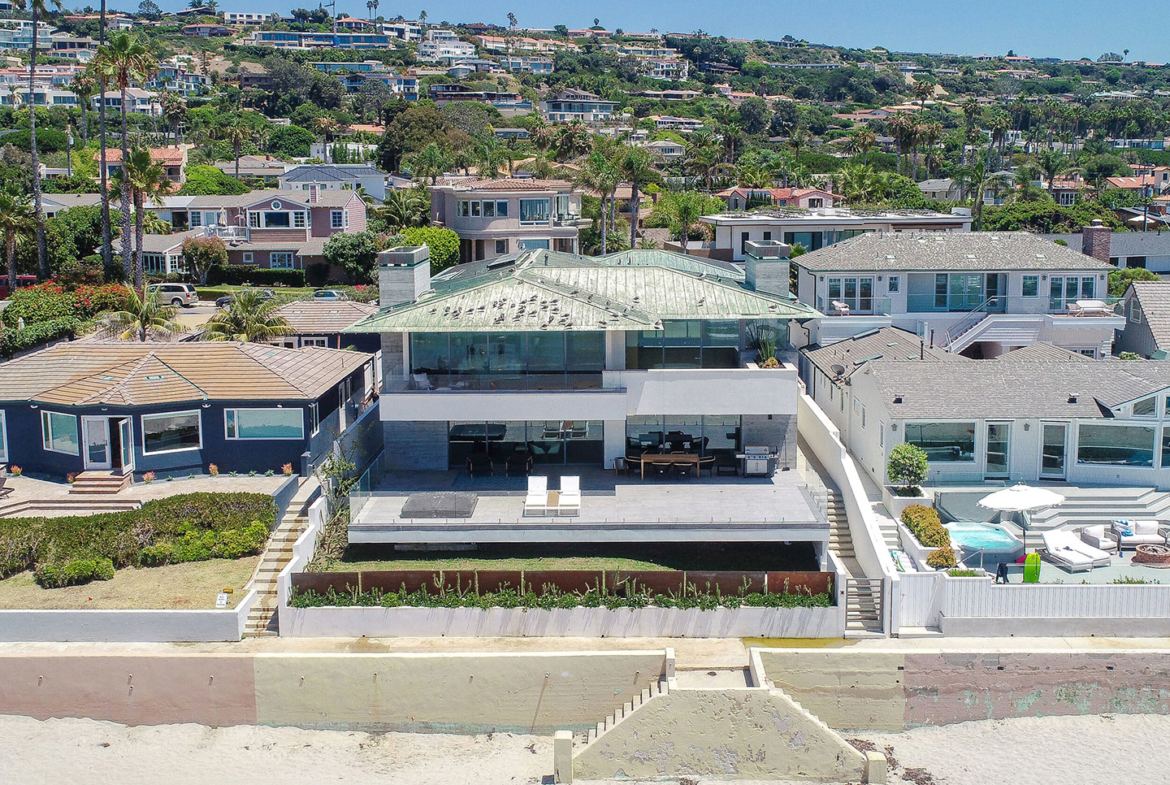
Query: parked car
[[177, 294], [21, 282], [224, 302], [329, 294]]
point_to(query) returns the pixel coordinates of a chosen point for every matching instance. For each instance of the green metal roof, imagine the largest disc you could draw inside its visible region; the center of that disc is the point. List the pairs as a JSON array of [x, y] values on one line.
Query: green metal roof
[[543, 290]]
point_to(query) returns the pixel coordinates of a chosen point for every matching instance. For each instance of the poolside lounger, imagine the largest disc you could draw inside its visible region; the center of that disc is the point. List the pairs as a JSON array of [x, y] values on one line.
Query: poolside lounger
[[1061, 552], [536, 502], [1099, 538], [570, 501], [1071, 540]]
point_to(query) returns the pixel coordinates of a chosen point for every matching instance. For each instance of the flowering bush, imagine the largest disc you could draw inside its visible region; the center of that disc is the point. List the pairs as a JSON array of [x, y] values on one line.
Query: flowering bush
[[50, 300], [286, 470], [148, 477], [69, 478], [213, 470], [15, 470]]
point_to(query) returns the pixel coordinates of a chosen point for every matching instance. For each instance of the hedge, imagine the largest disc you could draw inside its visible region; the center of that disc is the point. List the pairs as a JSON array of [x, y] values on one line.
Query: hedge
[[48, 301], [188, 527], [241, 274], [37, 334], [924, 523]]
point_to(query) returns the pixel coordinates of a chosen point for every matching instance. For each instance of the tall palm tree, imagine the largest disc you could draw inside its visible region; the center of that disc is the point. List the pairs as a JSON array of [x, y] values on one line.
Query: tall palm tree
[[102, 85], [174, 110], [237, 135], [405, 208], [143, 178], [931, 135], [249, 318], [900, 127], [326, 126], [432, 161], [84, 86], [922, 90], [143, 316], [572, 141], [17, 221], [124, 61], [977, 179], [38, 10], [863, 141], [599, 174], [686, 208], [636, 166]]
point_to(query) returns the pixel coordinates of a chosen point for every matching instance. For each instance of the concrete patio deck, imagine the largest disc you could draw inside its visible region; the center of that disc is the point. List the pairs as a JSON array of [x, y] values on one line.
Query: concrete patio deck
[[35, 489], [613, 509]]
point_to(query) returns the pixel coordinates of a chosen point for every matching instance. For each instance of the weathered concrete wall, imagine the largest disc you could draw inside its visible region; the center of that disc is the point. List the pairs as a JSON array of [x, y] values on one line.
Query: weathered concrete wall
[[728, 734], [456, 693], [377, 622], [459, 693], [208, 689], [871, 690]]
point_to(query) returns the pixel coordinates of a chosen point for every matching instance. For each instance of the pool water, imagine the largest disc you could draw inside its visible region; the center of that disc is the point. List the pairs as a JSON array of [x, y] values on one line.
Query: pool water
[[971, 536]]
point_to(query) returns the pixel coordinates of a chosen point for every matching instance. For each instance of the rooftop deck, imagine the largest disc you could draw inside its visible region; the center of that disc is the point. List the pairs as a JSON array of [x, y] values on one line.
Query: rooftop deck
[[613, 509]]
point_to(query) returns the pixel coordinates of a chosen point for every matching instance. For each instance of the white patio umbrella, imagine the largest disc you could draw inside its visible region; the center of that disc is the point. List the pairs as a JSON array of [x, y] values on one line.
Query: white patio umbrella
[[1022, 499]]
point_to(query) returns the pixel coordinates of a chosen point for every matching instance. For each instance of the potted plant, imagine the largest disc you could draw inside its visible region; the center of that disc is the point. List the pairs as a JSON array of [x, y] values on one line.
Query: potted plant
[[906, 469]]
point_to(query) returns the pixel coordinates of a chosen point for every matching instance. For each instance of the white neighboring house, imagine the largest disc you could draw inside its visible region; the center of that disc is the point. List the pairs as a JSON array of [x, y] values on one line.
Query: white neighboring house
[[336, 177], [981, 294], [444, 46], [139, 102], [665, 150], [17, 34], [1038, 413], [245, 18]]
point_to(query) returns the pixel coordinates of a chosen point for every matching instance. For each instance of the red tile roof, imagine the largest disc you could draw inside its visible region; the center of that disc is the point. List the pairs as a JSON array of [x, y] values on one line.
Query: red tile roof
[[165, 155]]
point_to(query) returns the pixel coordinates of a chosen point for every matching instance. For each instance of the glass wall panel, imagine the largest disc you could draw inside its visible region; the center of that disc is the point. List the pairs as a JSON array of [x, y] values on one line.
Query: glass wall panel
[[1053, 461], [508, 361], [944, 442], [1115, 445]]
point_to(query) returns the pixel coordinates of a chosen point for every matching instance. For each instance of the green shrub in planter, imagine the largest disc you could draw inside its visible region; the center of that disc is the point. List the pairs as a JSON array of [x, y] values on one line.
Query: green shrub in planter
[[942, 559], [923, 522], [907, 468], [75, 572]]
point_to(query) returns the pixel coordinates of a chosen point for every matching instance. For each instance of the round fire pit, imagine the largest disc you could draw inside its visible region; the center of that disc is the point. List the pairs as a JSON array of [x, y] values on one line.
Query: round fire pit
[[1151, 554]]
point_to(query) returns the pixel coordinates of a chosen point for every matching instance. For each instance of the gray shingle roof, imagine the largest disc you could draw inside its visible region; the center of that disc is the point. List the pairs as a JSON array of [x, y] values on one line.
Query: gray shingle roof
[[316, 173], [1016, 387], [975, 251], [881, 343], [1124, 243], [1154, 298], [325, 198]]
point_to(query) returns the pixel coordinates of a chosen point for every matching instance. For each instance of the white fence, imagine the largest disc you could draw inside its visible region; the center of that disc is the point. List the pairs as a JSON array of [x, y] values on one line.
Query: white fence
[[138, 626], [978, 606]]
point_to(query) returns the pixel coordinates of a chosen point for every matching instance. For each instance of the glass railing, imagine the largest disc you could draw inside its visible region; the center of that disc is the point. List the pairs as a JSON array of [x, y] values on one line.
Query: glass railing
[[954, 303], [363, 490], [496, 382]]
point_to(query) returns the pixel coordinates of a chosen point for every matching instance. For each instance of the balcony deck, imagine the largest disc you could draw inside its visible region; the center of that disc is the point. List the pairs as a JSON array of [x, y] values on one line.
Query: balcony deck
[[613, 509]]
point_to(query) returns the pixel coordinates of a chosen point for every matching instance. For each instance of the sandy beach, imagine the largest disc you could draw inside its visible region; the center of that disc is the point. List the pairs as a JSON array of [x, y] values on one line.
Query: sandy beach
[[1046, 751]]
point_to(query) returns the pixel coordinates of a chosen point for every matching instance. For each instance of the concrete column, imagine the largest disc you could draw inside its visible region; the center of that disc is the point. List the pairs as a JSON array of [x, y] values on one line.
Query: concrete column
[[876, 768], [563, 756]]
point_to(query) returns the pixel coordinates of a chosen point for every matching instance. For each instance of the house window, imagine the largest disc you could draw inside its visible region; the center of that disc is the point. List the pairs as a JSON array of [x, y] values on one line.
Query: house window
[[855, 292], [502, 209], [816, 203], [59, 433], [298, 220], [264, 423], [171, 432], [894, 284], [1146, 407], [1088, 287], [534, 211], [475, 212], [464, 209], [944, 442], [273, 220], [280, 260], [1135, 261], [322, 342], [1135, 312], [501, 246], [1115, 445], [1031, 286], [254, 220], [1165, 446], [314, 419], [337, 219], [196, 218], [248, 257], [154, 263], [489, 209], [881, 434], [3, 437], [743, 241]]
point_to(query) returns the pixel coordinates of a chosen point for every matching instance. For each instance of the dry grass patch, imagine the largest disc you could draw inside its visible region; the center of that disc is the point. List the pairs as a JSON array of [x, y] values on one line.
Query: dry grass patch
[[188, 586]]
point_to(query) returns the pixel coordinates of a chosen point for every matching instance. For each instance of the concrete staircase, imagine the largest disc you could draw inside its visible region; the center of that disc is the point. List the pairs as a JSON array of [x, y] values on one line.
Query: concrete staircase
[[99, 482], [262, 618], [840, 540], [889, 529], [627, 709], [1088, 506], [863, 597]]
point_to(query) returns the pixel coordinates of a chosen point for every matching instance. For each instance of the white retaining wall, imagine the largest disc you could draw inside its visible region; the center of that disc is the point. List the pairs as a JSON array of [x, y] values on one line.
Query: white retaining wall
[[140, 626], [569, 623], [303, 550]]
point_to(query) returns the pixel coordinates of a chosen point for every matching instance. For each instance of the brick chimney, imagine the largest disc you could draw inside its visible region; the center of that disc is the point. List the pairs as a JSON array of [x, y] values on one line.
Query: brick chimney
[[1095, 240], [312, 193]]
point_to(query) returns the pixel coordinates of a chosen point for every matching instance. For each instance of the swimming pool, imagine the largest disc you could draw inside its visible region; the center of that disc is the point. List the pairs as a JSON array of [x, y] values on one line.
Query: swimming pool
[[994, 541]]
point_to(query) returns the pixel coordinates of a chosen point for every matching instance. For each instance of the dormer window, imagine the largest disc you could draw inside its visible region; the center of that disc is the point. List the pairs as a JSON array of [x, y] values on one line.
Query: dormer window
[[1146, 407]]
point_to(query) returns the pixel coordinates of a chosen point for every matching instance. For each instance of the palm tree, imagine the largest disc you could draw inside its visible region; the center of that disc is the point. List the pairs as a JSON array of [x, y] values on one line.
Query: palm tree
[[432, 161], [237, 134], [38, 10], [572, 141], [142, 317], [405, 208], [250, 317], [599, 174], [977, 179], [636, 166], [863, 141], [489, 156], [143, 178], [123, 62], [931, 135], [17, 221], [326, 126], [800, 138], [686, 209], [84, 86], [1052, 164], [900, 127], [727, 120], [922, 90], [174, 110]]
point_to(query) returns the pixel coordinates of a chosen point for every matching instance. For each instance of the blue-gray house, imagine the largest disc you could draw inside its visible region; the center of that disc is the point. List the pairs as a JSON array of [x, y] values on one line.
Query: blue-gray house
[[177, 408]]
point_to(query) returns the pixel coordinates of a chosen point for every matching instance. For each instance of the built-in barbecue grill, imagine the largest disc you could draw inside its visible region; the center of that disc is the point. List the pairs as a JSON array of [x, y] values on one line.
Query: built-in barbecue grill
[[758, 461]]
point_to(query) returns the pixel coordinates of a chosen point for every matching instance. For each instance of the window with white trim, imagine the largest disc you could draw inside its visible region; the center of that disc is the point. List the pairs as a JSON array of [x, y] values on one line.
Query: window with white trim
[[3, 437], [254, 220], [337, 219], [154, 263], [59, 433], [1146, 407], [322, 342], [171, 432], [196, 218], [280, 260], [264, 423], [298, 220], [881, 434]]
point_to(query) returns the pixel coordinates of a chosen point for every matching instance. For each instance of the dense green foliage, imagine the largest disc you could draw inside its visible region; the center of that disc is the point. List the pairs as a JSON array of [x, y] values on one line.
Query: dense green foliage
[[13, 340], [443, 245], [1119, 280], [356, 253], [247, 274], [189, 527], [51, 301], [907, 466], [209, 181]]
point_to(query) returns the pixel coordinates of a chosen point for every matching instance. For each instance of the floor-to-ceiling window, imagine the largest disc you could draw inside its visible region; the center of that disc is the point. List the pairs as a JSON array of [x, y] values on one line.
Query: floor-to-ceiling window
[[508, 361], [545, 441], [700, 433]]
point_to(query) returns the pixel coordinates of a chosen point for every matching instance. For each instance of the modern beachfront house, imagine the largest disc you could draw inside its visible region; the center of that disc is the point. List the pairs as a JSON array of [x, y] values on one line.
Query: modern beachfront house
[[1040, 413], [624, 372], [981, 294], [175, 408]]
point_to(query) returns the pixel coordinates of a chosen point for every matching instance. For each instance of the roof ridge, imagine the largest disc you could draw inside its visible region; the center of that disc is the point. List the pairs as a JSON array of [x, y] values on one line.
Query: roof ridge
[[175, 371], [630, 311], [247, 348]]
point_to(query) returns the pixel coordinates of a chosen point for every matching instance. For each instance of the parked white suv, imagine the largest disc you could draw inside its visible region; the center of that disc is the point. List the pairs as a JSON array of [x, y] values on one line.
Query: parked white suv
[[174, 293]]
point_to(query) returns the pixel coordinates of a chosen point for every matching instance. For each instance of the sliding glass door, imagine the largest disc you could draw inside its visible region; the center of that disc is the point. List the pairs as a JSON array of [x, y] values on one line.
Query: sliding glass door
[[1054, 450], [999, 437]]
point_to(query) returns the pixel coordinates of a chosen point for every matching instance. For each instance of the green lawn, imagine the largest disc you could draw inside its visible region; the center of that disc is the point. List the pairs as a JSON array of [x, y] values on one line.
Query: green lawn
[[658, 556]]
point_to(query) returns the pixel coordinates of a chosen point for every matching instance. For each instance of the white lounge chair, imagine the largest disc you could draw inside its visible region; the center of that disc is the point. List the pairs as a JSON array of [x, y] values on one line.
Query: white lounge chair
[[1066, 549], [1098, 537], [570, 502], [536, 502], [1139, 533]]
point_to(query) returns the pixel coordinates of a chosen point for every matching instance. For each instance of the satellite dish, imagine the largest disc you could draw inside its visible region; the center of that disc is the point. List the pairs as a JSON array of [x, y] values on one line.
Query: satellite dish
[[838, 370]]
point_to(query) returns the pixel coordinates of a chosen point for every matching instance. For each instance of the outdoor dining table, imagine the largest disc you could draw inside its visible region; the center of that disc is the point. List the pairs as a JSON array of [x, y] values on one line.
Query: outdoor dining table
[[670, 457]]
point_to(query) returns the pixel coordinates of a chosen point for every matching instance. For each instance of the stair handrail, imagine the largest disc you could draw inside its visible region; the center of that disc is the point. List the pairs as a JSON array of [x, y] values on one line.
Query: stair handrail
[[973, 317]]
